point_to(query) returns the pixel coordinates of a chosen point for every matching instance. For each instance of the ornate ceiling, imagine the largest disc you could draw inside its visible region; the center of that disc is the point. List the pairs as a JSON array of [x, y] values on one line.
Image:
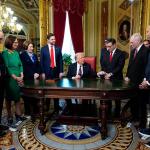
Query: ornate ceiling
[[27, 11]]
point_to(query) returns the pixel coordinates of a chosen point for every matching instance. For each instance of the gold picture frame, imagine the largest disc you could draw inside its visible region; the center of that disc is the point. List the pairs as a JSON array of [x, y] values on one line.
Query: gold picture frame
[[124, 27]]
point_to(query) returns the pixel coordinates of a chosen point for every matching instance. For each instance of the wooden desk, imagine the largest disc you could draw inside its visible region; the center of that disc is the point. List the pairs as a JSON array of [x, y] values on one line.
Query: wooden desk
[[103, 90]]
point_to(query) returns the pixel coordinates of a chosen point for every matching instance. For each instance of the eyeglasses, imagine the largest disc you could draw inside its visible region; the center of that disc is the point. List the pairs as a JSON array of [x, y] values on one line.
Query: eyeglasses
[[15, 42]]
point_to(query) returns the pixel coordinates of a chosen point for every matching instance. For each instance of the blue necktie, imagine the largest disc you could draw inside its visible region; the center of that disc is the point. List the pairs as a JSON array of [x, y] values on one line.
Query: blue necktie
[[33, 58]]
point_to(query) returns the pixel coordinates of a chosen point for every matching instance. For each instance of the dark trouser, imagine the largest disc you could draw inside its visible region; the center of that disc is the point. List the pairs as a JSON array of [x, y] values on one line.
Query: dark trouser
[[1, 97], [30, 105], [53, 74], [56, 104], [137, 105]]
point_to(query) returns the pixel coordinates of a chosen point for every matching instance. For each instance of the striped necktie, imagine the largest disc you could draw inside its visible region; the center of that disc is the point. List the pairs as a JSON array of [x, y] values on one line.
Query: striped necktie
[[80, 71], [135, 53]]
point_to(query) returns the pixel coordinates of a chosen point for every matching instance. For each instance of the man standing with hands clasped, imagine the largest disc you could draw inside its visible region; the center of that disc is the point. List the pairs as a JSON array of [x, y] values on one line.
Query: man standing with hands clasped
[[51, 62], [145, 132], [135, 74]]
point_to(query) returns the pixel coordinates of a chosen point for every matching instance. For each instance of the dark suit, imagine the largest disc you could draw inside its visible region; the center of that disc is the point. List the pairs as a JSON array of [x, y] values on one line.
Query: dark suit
[[30, 67], [115, 66], [45, 62], [147, 72], [137, 66], [2, 74], [104, 53], [87, 71], [51, 73], [136, 73]]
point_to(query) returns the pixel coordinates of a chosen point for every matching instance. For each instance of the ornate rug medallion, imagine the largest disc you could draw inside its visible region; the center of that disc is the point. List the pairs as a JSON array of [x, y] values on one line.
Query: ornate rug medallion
[[63, 137]]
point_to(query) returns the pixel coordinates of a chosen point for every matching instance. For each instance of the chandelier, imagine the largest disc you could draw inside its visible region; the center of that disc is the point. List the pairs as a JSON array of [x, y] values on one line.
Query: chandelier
[[8, 22]]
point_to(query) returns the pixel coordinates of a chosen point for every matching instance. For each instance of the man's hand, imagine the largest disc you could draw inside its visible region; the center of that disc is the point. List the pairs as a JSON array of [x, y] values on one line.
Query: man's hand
[[126, 79], [36, 75], [76, 77], [107, 76], [101, 73], [144, 85], [43, 76], [61, 75]]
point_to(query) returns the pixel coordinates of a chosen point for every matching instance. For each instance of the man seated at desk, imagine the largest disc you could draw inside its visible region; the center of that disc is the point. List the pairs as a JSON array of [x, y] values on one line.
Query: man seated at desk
[[80, 69]]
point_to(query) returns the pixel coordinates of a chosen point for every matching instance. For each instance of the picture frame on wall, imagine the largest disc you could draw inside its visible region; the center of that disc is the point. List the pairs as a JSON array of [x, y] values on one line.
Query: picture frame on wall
[[124, 27]]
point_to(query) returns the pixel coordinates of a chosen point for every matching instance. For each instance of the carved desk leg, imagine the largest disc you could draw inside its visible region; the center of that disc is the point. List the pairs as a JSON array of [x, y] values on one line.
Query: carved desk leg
[[42, 124], [103, 110]]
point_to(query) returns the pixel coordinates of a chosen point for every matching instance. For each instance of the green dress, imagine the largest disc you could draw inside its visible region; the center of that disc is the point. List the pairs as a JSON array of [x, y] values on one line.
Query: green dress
[[14, 66]]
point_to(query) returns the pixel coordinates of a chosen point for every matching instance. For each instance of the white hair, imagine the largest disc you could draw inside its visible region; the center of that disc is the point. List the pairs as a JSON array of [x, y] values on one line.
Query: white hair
[[137, 37]]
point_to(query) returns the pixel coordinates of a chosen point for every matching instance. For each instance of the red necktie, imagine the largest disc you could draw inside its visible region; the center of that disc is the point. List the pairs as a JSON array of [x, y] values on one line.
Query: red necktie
[[52, 57], [110, 56], [135, 53]]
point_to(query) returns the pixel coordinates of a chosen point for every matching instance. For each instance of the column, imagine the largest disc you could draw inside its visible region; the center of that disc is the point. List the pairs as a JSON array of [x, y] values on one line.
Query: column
[[43, 21]]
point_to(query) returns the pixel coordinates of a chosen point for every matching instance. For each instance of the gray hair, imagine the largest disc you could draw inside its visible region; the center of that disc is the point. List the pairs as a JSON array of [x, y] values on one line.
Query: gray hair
[[137, 37]]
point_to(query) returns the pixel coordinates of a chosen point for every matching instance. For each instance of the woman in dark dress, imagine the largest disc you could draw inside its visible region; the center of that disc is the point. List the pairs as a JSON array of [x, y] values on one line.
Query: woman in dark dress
[[31, 71]]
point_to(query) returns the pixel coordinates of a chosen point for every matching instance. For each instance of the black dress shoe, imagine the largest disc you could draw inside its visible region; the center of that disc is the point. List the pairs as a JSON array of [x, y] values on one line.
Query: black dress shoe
[[147, 145], [3, 130], [3, 127], [145, 132], [20, 118], [10, 121]]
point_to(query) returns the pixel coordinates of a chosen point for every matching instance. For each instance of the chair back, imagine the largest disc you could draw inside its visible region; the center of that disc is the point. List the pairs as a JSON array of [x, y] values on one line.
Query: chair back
[[91, 60]]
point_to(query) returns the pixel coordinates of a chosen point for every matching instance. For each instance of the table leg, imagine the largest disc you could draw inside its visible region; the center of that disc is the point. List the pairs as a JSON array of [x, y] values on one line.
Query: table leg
[[103, 116], [42, 123], [123, 117]]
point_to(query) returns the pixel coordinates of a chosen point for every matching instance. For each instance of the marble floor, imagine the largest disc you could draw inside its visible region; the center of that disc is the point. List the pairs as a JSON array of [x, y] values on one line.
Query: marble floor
[[70, 137]]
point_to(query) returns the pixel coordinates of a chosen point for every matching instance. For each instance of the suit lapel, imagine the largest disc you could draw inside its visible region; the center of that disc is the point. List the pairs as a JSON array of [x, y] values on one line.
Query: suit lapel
[[114, 56], [28, 57], [75, 69], [84, 68], [132, 59]]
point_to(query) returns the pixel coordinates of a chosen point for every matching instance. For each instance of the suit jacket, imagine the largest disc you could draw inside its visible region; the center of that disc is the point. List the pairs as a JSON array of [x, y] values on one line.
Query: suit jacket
[[147, 72], [45, 62], [29, 67], [137, 65], [87, 71], [115, 66]]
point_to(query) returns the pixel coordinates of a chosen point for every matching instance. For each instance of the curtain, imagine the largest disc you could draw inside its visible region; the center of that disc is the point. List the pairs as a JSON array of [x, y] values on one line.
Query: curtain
[[59, 26], [75, 9], [76, 31]]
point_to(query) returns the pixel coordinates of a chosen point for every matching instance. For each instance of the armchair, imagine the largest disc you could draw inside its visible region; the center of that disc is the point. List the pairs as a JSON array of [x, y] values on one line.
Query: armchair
[[92, 61]]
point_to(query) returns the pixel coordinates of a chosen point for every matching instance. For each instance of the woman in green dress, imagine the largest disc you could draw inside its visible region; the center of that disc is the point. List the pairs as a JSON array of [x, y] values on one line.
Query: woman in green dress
[[14, 77]]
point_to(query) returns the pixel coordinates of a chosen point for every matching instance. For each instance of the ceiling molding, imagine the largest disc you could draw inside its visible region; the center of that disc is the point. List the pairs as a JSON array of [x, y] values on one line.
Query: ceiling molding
[[29, 16]]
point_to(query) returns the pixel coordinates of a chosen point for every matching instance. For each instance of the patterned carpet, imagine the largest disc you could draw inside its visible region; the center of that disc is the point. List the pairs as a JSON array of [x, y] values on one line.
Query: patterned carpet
[[62, 137]]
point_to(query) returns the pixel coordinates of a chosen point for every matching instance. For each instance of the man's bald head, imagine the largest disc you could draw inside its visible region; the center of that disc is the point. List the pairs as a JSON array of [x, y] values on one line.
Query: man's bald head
[[1, 37]]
